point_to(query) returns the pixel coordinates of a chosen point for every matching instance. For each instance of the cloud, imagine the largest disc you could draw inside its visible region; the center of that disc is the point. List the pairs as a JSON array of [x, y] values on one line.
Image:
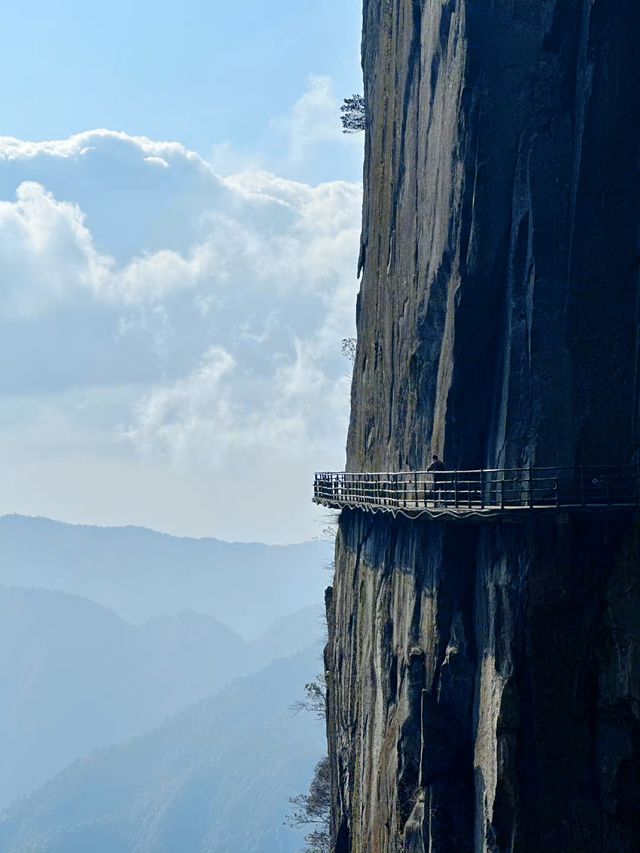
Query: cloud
[[253, 221], [48, 256], [82, 144], [311, 135], [200, 315], [314, 118], [188, 415], [46, 252]]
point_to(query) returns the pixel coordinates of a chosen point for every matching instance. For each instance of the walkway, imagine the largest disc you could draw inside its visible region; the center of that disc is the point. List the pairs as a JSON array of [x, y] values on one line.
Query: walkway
[[482, 493]]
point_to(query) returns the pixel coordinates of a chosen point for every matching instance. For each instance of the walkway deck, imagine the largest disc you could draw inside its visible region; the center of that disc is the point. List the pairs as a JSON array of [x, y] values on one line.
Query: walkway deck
[[482, 493]]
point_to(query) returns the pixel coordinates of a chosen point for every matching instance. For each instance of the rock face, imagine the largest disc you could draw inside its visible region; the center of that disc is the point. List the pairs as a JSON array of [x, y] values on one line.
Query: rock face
[[484, 680]]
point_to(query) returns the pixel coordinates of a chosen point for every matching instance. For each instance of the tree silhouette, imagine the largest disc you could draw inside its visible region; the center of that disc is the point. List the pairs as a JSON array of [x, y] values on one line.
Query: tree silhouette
[[315, 698], [349, 348], [314, 809], [354, 114]]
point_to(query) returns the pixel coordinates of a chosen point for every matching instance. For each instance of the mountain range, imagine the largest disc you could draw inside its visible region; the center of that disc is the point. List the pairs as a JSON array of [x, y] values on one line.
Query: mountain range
[[146, 685], [214, 779], [140, 574]]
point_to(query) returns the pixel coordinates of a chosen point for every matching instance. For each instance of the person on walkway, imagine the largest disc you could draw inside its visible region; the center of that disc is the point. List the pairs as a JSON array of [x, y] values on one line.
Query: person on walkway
[[436, 466]]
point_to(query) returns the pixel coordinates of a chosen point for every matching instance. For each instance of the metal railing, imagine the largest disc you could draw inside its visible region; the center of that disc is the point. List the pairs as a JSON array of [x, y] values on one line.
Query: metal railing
[[481, 492]]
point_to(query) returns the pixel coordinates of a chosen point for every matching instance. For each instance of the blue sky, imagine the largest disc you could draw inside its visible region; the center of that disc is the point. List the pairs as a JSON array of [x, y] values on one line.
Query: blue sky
[[179, 226], [199, 72]]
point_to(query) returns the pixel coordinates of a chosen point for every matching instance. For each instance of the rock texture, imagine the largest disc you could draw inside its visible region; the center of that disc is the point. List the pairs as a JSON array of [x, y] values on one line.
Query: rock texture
[[484, 680]]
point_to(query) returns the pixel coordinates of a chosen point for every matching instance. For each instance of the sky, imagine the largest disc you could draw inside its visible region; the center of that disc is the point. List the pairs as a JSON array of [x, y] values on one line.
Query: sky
[[179, 226]]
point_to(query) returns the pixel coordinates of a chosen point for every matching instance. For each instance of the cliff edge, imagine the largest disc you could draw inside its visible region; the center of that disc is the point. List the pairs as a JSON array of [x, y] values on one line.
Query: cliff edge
[[484, 679]]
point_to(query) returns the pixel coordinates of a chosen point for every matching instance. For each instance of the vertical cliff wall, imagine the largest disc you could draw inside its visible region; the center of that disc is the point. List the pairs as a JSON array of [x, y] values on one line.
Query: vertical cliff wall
[[484, 680]]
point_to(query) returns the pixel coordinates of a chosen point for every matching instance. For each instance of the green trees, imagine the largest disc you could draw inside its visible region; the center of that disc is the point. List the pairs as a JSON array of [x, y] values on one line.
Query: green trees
[[353, 114]]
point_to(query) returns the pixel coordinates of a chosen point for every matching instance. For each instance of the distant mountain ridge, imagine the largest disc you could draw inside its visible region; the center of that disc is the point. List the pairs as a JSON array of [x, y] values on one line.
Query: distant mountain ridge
[[141, 574], [75, 676], [215, 779]]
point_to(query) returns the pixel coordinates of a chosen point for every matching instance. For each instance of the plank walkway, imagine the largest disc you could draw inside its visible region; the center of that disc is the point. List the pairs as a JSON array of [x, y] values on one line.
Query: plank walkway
[[483, 492]]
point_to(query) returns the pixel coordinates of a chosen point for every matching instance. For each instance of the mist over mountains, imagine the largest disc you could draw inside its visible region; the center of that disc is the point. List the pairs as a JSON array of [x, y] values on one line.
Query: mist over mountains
[[140, 574], [191, 717], [215, 779]]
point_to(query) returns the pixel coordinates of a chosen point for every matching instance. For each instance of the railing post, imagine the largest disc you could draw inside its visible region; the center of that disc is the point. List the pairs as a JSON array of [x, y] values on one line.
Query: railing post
[[482, 489], [455, 489], [530, 487], [415, 487]]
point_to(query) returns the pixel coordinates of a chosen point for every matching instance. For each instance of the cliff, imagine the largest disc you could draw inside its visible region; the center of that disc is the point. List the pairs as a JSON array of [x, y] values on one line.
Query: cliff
[[484, 680]]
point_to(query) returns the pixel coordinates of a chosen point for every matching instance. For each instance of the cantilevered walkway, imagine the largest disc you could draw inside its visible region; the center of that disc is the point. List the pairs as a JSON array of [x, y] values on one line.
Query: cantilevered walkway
[[510, 492]]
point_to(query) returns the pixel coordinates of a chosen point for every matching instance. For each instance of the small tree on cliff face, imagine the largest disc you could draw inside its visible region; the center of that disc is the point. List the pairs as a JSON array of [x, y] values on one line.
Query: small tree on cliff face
[[315, 698], [348, 348], [314, 809], [354, 114]]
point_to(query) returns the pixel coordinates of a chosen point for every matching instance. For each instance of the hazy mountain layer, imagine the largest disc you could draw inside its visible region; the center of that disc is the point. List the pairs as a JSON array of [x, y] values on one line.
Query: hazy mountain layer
[[74, 676], [215, 779], [141, 574]]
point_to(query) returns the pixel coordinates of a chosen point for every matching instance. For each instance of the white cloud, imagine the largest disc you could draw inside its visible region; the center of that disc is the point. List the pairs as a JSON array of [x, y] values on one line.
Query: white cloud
[[48, 255], [157, 161], [46, 252], [210, 309], [275, 229], [313, 119], [82, 144], [188, 415]]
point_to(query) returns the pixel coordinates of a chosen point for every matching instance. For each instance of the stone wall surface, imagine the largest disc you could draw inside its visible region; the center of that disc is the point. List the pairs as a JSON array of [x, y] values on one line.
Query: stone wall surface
[[484, 679]]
